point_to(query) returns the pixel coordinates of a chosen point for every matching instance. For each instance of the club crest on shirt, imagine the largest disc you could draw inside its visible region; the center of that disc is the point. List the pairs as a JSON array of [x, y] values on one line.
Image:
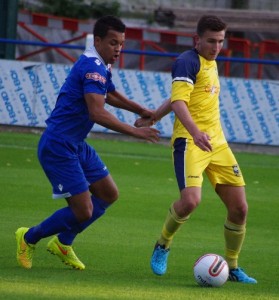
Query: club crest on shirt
[[96, 77], [212, 89], [97, 62], [236, 170]]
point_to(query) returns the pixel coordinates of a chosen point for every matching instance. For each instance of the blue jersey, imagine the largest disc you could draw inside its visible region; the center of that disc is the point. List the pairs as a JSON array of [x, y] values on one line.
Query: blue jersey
[[70, 118]]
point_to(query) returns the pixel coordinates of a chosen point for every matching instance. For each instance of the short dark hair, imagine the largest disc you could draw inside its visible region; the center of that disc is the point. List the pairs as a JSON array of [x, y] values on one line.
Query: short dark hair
[[209, 22], [106, 23]]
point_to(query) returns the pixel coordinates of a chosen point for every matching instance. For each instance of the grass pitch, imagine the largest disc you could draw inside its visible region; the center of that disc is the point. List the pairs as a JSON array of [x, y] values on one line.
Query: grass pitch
[[117, 248]]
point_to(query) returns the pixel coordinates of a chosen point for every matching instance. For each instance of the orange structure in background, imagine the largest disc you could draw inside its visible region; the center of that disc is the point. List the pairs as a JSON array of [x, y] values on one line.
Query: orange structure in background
[[238, 45], [266, 47], [155, 39], [147, 38]]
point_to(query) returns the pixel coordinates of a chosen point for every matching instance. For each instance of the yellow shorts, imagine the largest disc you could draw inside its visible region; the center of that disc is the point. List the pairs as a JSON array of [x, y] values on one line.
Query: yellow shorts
[[190, 162]]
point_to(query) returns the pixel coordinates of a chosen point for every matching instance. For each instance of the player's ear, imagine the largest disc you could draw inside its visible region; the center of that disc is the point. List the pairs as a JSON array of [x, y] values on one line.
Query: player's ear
[[97, 40], [196, 40]]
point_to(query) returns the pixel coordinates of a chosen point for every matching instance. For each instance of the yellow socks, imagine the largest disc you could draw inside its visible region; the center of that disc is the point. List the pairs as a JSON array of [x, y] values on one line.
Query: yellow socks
[[171, 225], [234, 237]]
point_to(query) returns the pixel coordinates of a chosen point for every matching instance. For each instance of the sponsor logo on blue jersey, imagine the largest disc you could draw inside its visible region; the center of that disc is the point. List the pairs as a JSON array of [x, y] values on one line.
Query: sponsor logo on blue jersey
[[96, 77]]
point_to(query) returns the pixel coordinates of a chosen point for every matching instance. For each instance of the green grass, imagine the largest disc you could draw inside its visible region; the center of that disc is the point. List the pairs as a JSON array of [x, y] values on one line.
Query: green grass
[[117, 248]]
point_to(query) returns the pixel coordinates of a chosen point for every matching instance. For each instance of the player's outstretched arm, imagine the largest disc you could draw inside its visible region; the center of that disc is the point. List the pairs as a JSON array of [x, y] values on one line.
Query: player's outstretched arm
[[117, 99], [99, 115], [160, 112]]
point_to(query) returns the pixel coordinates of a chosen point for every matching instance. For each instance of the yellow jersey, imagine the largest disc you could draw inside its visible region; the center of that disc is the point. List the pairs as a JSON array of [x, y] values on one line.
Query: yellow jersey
[[195, 80]]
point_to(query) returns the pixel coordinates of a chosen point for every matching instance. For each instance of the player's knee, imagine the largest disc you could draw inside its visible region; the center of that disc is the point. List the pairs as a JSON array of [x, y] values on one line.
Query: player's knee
[[107, 192], [192, 205], [189, 203], [115, 196], [242, 210], [111, 195], [239, 212], [84, 213]]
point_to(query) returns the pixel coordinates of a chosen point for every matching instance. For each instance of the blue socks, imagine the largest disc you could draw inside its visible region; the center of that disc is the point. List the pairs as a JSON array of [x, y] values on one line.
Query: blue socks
[[63, 221], [99, 208]]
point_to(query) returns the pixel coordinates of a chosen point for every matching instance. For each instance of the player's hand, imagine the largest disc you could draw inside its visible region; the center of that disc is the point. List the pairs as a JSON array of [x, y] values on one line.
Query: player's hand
[[147, 113], [147, 133], [201, 139], [144, 122]]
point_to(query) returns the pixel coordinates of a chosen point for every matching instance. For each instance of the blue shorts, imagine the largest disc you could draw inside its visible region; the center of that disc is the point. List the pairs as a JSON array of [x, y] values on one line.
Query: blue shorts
[[70, 167]]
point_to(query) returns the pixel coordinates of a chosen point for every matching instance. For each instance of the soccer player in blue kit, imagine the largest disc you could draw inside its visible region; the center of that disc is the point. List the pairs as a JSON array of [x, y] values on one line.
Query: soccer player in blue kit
[[73, 168], [199, 145]]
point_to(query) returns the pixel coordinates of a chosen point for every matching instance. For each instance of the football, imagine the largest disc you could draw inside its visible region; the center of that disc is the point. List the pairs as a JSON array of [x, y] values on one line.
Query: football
[[211, 270]]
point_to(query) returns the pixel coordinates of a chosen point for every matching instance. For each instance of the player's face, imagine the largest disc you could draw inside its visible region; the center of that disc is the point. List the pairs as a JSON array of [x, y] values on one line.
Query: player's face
[[210, 44], [110, 46]]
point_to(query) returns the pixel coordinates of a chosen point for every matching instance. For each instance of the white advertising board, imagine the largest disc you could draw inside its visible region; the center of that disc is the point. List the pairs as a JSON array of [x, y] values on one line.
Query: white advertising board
[[249, 108]]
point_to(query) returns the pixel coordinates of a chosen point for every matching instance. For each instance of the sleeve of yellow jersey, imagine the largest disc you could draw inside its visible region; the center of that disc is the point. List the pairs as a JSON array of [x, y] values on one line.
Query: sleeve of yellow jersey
[[181, 90]]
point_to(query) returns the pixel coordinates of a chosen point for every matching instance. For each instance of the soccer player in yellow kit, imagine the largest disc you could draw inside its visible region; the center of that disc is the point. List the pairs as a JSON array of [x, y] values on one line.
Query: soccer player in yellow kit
[[199, 145]]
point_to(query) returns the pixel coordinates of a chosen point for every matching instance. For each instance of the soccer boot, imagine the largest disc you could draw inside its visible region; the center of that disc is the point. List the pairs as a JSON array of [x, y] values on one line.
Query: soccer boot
[[24, 253], [240, 276], [159, 259], [65, 253]]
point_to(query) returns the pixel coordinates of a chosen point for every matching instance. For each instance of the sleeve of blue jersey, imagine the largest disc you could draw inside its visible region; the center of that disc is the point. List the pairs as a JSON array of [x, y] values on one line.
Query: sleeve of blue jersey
[[94, 76]]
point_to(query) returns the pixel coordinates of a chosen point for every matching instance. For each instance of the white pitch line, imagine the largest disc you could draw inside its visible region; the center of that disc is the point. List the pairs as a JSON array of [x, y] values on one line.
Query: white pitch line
[[108, 154]]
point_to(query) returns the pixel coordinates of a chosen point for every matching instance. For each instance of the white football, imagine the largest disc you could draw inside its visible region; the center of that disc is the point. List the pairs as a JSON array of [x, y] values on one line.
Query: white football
[[211, 270]]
